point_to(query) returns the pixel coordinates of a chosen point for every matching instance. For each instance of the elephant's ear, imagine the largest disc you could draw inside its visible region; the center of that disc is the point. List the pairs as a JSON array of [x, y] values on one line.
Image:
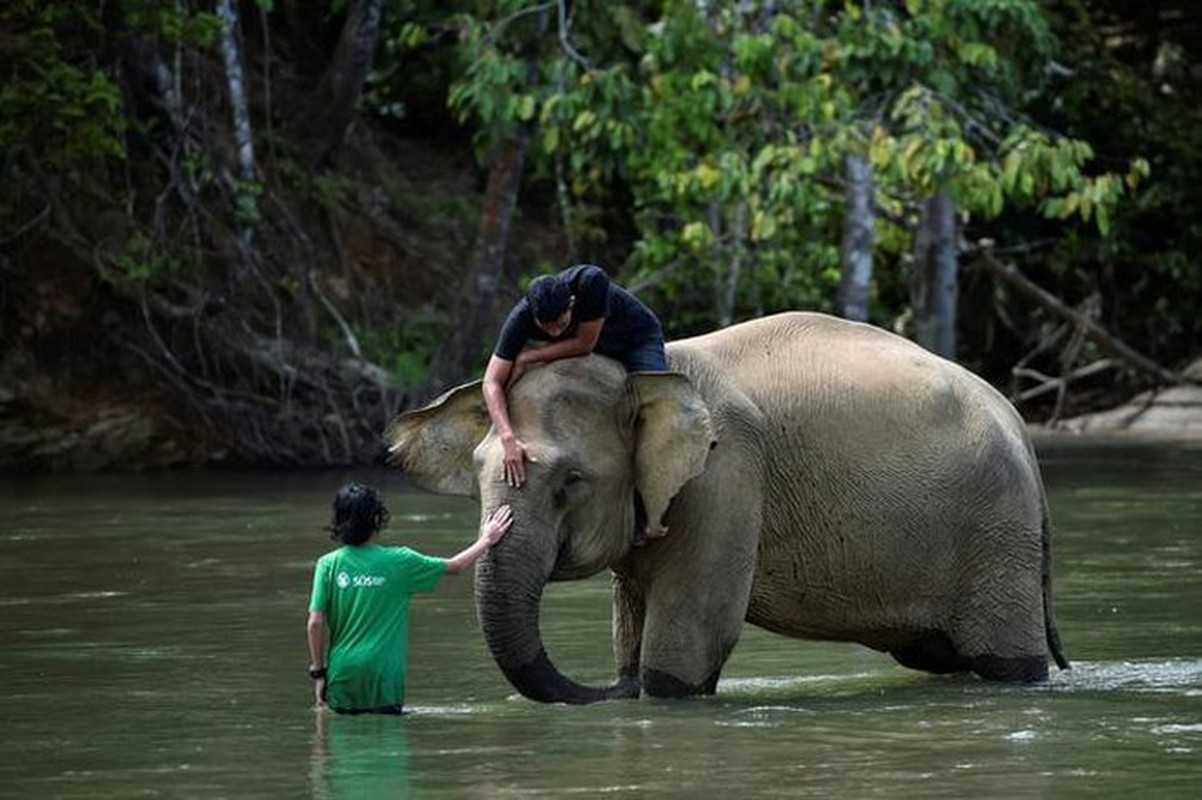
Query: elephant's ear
[[434, 444], [673, 435]]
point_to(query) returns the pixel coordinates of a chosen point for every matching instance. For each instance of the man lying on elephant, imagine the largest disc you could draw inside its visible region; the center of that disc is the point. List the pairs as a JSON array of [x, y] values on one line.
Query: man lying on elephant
[[578, 311]]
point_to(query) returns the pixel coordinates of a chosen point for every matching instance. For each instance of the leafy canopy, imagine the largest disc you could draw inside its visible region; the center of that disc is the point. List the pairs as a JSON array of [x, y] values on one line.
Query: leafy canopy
[[728, 125]]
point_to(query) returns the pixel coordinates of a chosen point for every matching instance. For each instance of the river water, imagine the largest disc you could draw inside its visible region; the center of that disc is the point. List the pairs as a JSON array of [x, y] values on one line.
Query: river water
[[152, 645]]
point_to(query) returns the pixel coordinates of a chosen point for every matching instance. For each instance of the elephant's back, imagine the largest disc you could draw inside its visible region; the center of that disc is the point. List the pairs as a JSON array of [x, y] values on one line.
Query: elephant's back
[[814, 371], [788, 344]]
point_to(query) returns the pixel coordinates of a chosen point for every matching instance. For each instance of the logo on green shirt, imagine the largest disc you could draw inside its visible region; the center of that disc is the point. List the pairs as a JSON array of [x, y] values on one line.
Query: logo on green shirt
[[345, 581]]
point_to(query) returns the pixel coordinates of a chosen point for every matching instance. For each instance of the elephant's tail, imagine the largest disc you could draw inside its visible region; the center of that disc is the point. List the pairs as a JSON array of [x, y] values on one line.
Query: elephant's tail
[[1049, 611]]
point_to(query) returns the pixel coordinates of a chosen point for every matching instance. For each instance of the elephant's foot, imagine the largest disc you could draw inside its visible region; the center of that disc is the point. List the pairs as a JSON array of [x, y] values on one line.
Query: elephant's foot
[[661, 684], [629, 685], [646, 534], [1017, 669]]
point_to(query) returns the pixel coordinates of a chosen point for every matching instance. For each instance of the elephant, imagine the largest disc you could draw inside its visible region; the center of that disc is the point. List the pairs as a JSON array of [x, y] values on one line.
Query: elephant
[[819, 478]]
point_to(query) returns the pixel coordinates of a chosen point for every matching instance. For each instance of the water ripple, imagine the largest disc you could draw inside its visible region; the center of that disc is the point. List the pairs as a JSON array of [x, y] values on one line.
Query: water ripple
[[1171, 676]]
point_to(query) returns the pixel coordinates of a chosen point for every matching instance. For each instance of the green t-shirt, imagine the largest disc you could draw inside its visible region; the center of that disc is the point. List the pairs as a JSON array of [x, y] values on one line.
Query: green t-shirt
[[364, 592]]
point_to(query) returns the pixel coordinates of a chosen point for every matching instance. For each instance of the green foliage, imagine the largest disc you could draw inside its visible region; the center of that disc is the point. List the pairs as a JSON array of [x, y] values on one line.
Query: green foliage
[[705, 143], [174, 23], [53, 101], [246, 201], [330, 189], [406, 349], [1133, 94], [60, 99], [729, 124], [142, 260]]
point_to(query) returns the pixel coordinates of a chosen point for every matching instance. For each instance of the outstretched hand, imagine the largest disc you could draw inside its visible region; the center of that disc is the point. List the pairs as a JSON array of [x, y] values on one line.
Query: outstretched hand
[[492, 528], [496, 524]]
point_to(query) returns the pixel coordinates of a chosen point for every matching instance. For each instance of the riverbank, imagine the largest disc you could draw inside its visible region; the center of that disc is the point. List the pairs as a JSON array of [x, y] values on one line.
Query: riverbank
[[1169, 414], [128, 436]]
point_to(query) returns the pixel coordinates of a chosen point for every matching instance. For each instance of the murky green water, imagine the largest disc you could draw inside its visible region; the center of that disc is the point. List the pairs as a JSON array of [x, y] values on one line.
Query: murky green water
[[151, 644]]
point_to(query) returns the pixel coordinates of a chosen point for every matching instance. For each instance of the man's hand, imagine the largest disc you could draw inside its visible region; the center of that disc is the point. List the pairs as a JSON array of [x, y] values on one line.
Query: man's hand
[[319, 692], [496, 524], [515, 460]]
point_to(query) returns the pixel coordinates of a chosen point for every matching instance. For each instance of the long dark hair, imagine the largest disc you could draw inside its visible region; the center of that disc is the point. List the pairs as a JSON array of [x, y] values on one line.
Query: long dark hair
[[358, 513]]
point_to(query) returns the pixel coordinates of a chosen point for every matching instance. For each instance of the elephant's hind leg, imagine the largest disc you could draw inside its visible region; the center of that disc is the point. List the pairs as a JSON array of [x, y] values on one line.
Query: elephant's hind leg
[[931, 651]]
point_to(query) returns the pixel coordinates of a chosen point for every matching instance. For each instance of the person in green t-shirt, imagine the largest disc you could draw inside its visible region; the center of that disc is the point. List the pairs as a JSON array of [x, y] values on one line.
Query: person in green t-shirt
[[362, 591]]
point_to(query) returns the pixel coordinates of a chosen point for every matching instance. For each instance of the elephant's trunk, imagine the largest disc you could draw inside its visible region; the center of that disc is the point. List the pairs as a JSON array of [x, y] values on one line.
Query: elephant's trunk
[[509, 587]]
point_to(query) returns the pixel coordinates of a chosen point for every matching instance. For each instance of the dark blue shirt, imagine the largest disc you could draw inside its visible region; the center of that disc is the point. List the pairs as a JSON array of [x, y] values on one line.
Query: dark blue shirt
[[628, 323]]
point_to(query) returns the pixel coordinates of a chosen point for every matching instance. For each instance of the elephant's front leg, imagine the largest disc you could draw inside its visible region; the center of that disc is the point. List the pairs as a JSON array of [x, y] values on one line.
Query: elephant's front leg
[[697, 584]]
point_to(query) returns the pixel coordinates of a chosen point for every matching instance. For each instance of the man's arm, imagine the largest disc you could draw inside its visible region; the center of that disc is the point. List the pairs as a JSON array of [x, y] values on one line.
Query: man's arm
[[492, 529], [496, 377], [580, 344]]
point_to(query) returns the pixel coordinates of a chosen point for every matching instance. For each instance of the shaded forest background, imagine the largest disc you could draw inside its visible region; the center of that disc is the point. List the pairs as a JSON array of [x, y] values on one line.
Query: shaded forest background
[[249, 233]]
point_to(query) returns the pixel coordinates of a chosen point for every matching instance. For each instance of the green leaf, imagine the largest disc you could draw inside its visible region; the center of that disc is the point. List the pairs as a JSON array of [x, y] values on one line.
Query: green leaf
[[585, 120], [525, 108]]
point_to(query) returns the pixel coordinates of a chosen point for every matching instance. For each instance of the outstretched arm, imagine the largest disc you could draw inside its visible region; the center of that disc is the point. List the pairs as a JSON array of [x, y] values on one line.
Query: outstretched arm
[[492, 529]]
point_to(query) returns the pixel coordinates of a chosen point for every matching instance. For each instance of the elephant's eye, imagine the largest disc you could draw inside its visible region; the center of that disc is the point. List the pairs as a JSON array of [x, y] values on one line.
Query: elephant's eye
[[571, 479]]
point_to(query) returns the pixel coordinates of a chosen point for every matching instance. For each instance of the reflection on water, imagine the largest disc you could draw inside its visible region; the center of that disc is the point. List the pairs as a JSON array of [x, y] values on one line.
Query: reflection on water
[[359, 757], [153, 645]]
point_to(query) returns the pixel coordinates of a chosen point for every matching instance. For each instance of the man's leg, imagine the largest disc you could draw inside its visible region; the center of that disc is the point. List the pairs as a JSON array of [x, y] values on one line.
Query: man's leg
[[647, 356]]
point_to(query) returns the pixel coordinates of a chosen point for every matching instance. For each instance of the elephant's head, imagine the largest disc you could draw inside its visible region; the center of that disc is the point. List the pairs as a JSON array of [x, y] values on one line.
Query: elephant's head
[[608, 451]]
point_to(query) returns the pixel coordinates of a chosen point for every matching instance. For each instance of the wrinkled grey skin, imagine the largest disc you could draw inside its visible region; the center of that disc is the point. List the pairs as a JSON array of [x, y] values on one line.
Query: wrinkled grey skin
[[819, 478]]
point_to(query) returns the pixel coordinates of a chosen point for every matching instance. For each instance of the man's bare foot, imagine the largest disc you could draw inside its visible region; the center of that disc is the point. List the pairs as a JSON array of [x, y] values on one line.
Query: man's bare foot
[[656, 531]]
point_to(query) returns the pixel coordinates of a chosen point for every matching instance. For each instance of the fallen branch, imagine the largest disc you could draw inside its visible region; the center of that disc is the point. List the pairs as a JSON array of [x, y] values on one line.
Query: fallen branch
[[1111, 344], [1050, 383]]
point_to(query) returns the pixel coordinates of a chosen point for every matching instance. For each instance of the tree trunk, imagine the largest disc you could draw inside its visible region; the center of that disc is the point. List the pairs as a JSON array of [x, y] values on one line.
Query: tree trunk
[[460, 355], [231, 54], [933, 290], [246, 200], [729, 284], [859, 223], [347, 74]]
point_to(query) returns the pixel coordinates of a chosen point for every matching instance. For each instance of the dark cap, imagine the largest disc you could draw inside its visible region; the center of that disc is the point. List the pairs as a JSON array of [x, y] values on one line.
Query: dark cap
[[548, 296]]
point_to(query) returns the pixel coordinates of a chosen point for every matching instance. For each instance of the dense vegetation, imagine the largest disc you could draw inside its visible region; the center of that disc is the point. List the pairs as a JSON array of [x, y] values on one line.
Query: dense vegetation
[[249, 232]]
